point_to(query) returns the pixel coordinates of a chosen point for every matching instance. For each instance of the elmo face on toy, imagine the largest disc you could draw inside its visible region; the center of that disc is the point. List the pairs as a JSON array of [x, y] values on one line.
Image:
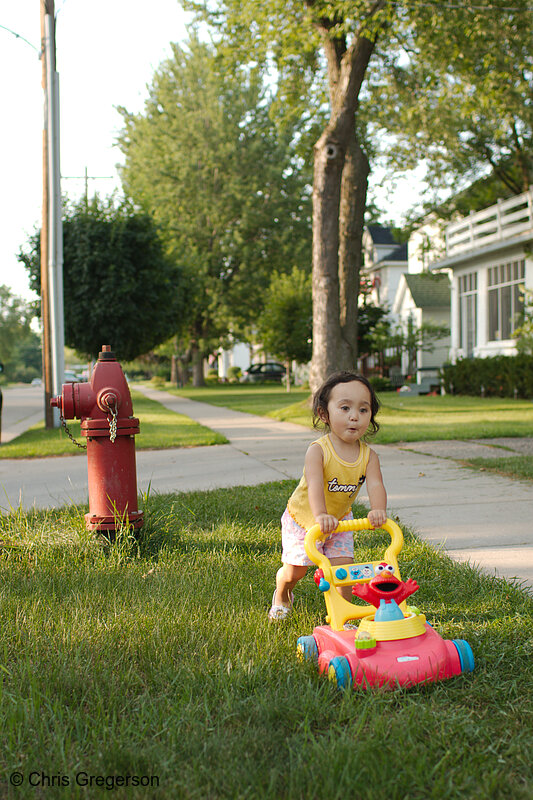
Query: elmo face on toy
[[385, 586]]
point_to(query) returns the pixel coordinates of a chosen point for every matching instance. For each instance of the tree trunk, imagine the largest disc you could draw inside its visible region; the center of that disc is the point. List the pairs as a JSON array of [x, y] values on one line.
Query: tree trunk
[[346, 70], [329, 161], [174, 369], [351, 222], [197, 366]]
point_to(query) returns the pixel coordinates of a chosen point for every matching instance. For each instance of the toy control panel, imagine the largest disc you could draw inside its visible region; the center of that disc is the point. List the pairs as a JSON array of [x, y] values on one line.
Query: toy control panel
[[348, 574], [356, 573]]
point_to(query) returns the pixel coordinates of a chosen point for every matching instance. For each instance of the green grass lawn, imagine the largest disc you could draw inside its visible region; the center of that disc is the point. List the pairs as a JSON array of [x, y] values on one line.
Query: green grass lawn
[[155, 658], [512, 466], [160, 428], [411, 419], [265, 400], [402, 419]]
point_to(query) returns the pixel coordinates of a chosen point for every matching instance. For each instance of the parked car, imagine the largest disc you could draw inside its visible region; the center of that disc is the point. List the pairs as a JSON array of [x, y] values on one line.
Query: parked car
[[74, 377], [259, 373]]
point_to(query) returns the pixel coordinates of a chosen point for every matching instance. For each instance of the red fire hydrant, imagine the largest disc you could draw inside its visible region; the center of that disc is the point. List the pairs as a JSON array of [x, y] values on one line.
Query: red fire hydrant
[[107, 421]]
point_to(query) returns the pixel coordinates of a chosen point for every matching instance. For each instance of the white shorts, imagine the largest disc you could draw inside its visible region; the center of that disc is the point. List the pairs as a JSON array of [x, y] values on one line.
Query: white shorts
[[337, 545]]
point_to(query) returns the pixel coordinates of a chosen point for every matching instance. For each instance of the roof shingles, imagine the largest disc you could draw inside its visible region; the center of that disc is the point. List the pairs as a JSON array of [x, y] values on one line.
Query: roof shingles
[[428, 290]]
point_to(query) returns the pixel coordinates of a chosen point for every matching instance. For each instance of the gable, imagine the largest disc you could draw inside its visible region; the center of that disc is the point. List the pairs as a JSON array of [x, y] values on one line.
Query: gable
[[380, 235]]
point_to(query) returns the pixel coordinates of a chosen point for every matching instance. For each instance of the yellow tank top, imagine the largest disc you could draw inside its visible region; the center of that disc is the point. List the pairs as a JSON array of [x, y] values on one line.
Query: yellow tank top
[[342, 481]]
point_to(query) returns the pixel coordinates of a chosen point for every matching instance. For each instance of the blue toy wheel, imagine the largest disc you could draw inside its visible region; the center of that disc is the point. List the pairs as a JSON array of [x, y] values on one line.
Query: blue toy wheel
[[339, 672], [466, 655], [306, 648]]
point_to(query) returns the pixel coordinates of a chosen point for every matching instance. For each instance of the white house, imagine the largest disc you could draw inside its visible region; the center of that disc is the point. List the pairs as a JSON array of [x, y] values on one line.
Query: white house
[[401, 283], [424, 298], [238, 356], [426, 244], [490, 259], [385, 262]]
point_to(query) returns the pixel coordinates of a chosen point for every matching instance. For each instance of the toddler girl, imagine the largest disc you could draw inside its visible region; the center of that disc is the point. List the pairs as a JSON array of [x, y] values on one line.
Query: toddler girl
[[335, 468]]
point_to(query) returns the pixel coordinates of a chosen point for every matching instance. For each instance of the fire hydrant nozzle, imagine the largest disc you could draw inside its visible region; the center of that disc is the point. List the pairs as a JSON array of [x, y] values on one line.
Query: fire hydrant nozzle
[[108, 400]]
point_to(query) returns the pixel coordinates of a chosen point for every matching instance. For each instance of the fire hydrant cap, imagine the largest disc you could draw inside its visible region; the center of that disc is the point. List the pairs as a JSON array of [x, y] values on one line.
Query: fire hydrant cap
[[106, 354]]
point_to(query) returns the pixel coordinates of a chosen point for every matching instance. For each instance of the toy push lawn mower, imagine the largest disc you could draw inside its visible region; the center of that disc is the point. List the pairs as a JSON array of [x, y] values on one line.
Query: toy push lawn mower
[[393, 644]]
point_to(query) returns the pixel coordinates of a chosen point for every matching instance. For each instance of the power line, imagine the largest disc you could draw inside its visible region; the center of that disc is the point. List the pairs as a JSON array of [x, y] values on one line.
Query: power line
[[86, 178], [18, 36]]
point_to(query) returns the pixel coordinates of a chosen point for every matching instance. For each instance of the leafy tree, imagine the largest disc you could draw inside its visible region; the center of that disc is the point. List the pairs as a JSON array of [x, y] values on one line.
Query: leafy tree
[[286, 324], [413, 340], [319, 45], [410, 339], [206, 160], [306, 39], [524, 333], [119, 287], [20, 350], [459, 94], [369, 319]]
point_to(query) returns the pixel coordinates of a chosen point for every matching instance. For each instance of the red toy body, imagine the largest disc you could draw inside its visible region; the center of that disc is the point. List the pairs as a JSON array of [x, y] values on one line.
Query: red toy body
[[105, 409], [393, 645], [387, 664]]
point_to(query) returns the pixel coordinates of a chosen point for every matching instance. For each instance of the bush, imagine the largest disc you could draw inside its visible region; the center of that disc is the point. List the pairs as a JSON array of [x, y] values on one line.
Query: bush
[[497, 376], [136, 370], [212, 376], [234, 373], [381, 384]]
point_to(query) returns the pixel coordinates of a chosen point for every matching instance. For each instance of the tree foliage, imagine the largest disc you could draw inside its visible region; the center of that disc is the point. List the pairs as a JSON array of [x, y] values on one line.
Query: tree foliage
[[389, 341], [325, 46], [206, 160], [286, 324], [20, 349], [458, 94], [119, 287], [524, 332], [450, 84]]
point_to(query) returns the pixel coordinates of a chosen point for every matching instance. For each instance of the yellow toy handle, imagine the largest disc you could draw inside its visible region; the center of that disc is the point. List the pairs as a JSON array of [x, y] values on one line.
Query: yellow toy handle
[[314, 534], [339, 609]]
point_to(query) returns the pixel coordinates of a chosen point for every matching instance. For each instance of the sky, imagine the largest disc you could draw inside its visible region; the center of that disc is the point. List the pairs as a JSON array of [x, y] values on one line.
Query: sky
[[107, 54]]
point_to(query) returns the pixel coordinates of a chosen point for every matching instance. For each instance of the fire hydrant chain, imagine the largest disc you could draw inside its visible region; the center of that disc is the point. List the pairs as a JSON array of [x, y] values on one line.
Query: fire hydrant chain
[[70, 436], [113, 425]]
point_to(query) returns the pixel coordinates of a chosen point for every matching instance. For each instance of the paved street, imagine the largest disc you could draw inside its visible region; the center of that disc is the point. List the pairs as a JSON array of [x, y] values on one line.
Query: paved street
[[22, 407]]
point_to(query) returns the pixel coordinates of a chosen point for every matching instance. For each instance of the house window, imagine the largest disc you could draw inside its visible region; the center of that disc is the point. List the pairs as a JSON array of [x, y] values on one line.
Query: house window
[[468, 312], [506, 299]]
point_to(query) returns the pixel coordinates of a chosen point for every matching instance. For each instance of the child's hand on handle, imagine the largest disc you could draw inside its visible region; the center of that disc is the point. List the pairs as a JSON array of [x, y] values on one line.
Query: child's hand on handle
[[377, 517], [327, 522]]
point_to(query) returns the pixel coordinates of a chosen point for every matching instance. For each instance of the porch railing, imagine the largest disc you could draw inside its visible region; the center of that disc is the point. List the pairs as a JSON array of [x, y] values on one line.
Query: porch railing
[[504, 220]]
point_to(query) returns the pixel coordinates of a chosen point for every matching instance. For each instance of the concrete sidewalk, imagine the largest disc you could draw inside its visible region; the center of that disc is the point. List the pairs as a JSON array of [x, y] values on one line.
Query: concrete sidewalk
[[474, 516]]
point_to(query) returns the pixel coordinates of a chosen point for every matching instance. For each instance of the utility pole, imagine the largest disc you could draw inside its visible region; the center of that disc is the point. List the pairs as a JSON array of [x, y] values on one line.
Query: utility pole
[[86, 178], [52, 231], [45, 313]]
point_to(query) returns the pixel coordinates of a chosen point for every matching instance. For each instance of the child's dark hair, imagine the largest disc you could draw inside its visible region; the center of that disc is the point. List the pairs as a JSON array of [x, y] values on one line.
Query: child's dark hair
[[323, 393]]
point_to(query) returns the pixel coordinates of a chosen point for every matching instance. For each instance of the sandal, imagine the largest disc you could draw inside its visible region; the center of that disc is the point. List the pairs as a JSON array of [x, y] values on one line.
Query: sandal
[[278, 611]]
